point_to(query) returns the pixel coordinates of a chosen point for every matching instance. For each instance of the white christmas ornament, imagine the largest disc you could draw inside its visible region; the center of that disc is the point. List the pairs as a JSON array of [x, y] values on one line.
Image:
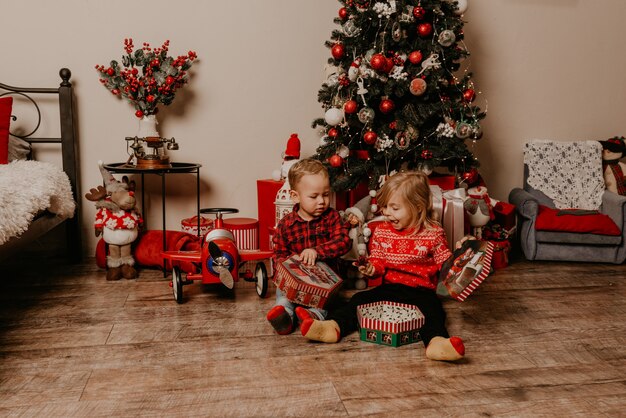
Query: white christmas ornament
[[353, 73], [333, 116], [462, 7], [343, 151]]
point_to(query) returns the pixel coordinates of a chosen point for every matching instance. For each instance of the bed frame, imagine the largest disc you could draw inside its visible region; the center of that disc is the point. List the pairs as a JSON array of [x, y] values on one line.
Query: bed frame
[[46, 222]]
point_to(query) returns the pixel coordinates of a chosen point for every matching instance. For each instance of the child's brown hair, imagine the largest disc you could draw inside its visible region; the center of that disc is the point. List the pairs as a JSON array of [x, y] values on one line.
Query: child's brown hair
[[414, 188], [305, 167]]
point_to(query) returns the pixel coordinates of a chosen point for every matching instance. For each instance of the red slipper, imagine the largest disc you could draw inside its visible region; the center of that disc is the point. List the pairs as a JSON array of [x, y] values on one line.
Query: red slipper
[[280, 320], [303, 313]]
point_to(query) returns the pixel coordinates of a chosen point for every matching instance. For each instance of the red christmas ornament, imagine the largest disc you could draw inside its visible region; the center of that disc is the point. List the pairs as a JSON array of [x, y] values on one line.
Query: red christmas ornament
[[470, 176], [415, 57], [337, 51], [169, 79], [393, 125], [350, 106], [110, 71], [150, 98], [419, 12], [427, 154], [386, 106], [343, 13], [469, 95], [424, 29], [335, 161], [378, 62], [388, 65], [139, 114], [332, 133], [370, 137]]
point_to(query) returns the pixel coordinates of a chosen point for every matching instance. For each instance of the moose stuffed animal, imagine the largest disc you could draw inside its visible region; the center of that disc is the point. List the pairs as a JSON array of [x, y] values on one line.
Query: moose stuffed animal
[[118, 221]]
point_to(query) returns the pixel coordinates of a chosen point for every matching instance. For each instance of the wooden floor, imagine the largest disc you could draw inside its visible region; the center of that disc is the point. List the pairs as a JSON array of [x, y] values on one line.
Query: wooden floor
[[542, 339]]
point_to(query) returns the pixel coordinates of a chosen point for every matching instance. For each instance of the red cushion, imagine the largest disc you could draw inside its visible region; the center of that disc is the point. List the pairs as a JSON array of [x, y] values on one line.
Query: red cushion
[[6, 104], [594, 223]]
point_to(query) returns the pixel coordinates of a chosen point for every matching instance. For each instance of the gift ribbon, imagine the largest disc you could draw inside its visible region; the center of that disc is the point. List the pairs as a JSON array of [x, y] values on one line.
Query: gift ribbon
[[454, 215]]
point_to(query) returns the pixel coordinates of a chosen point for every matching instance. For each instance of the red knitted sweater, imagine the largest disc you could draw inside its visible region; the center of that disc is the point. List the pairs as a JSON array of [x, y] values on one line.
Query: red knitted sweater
[[408, 258]]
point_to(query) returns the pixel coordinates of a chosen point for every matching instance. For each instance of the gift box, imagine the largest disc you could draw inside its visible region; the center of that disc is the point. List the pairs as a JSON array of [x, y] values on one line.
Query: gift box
[[344, 200], [266, 196], [190, 225], [390, 323], [505, 215], [306, 285], [453, 221], [245, 231], [446, 182], [468, 267]]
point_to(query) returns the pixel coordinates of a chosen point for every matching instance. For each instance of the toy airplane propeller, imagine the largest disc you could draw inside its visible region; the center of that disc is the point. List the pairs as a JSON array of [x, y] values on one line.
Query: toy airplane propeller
[[221, 265]]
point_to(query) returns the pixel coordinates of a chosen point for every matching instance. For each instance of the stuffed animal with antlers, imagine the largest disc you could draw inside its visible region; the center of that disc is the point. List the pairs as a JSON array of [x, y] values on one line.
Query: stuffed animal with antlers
[[118, 220]]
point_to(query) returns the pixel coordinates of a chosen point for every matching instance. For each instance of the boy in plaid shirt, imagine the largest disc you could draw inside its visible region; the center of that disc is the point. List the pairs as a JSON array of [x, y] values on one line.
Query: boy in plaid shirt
[[313, 230]]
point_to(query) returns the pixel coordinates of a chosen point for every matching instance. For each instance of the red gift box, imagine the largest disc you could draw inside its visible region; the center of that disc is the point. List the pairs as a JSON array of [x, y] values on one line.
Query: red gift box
[[505, 215], [443, 181], [266, 196], [306, 285], [344, 200]]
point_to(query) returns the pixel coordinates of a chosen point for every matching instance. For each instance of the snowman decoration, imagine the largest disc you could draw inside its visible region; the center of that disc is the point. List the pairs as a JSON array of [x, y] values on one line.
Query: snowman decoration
[[479, 208]]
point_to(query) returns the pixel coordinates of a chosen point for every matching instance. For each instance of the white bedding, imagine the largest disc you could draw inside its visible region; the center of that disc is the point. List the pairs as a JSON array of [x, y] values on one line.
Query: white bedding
[[28, 187]]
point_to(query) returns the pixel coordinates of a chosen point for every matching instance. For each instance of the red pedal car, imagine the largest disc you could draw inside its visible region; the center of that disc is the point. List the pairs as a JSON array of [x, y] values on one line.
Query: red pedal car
[[219, 260]]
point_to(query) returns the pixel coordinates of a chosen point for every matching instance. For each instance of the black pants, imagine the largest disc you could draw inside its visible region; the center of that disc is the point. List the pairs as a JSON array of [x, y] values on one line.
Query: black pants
[[425, 299]]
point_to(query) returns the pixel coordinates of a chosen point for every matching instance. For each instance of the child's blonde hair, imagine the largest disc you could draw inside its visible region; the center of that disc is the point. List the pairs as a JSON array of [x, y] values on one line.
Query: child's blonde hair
[[305, 167], [414, 189]]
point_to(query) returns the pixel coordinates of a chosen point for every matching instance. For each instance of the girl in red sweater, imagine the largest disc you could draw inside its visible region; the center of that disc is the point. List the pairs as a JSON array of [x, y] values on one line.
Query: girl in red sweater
[[407, 251]]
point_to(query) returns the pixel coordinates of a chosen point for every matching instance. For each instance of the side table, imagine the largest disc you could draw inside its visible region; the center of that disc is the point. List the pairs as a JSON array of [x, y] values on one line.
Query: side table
[[123, 168]]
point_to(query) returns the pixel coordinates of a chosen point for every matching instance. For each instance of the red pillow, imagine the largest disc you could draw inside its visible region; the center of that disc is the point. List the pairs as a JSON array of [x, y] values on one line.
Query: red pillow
[[572, 220], [6, 104]]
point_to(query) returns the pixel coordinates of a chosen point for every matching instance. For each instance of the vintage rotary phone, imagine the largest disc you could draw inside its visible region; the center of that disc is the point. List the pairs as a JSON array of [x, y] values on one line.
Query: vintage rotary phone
[[155, 158]]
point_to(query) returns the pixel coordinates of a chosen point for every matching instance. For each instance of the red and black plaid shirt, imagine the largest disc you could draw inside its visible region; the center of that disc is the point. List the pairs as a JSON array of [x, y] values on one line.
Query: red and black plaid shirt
[[326, 234]]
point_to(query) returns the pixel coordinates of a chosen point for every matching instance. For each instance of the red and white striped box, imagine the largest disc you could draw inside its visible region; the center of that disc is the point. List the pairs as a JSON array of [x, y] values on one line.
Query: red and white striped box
[[306, 285], [246, 232], [390, 323]]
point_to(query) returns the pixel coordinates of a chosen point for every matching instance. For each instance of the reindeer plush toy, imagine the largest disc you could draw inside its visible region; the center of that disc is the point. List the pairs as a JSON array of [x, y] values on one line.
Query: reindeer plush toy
[[118, 221]]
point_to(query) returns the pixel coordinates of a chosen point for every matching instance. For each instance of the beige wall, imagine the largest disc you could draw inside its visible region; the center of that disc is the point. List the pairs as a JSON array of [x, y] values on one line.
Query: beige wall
[[547, 68]]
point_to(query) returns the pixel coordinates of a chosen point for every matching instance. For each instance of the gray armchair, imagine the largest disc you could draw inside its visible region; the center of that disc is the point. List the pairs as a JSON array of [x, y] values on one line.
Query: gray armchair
[[568, 246]]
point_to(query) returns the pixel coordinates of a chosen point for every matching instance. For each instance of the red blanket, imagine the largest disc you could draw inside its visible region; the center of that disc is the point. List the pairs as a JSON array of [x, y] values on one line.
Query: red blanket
[[147, 249]]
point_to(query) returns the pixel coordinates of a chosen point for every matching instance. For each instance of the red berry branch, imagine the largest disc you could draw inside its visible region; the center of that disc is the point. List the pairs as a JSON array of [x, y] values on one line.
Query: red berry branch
[[147, 77]]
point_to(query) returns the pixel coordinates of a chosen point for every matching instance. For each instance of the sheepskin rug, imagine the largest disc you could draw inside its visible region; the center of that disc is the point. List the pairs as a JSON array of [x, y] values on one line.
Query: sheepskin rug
[[27, 187]]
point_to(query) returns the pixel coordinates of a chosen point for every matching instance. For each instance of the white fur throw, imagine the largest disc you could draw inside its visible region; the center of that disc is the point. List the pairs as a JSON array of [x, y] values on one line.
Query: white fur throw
[[27, 187]]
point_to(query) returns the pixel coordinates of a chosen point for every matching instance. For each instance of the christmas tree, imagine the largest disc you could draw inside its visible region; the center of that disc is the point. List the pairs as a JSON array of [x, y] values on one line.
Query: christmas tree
[[397, 97]]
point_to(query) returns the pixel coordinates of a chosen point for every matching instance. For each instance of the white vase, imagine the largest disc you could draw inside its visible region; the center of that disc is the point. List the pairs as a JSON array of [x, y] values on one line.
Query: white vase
[[148, 127]]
